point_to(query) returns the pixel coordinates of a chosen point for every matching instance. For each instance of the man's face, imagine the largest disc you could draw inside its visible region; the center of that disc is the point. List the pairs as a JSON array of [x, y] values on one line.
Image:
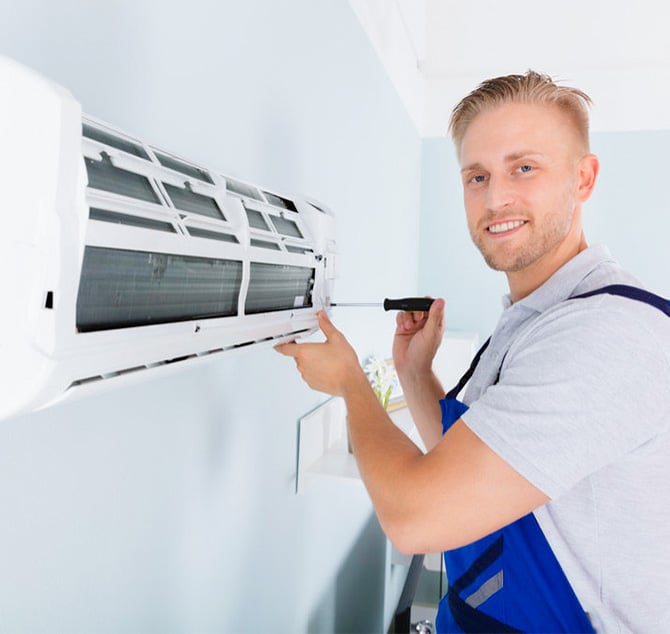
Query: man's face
[[520, 171]]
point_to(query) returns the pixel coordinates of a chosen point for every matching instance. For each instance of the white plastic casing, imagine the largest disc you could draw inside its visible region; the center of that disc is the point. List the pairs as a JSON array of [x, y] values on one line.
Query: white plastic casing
[[45, 202]]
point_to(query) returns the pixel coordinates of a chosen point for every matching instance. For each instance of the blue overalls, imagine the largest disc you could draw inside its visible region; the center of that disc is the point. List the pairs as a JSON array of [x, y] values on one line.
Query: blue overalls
[[510, 580]]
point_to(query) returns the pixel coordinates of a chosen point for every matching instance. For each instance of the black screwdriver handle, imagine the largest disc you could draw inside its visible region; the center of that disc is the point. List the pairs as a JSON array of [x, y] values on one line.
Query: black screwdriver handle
[[419, 304]]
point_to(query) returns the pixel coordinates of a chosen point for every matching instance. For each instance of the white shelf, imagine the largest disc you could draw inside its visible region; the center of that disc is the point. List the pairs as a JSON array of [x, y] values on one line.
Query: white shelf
[[323, 450]]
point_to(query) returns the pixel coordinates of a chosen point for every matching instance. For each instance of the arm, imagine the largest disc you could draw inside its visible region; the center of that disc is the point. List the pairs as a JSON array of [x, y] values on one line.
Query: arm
[[458, 492]]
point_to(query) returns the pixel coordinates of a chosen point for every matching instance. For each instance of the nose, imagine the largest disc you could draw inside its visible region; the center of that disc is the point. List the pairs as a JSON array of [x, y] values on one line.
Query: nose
[[499, 194]]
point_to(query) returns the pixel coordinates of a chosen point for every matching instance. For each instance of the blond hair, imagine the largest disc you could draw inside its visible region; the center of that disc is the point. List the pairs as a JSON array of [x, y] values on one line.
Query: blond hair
[[531, 88]]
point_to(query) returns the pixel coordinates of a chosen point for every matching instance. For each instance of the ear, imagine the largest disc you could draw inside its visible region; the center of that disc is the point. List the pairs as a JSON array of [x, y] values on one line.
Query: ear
[[588, 167]]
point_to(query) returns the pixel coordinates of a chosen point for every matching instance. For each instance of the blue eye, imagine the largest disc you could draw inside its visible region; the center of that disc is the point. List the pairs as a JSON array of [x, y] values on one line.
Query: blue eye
[[478, 179], [525, 169]]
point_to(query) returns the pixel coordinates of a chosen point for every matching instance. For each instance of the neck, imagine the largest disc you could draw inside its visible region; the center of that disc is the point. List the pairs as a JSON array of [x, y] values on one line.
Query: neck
[[523, 283]]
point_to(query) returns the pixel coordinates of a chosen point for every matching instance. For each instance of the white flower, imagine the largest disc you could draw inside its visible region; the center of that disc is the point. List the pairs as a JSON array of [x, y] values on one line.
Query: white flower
[[382, 377]]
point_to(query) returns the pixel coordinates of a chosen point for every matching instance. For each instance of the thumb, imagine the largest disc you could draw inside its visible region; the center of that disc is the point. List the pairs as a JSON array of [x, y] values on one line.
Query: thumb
[[435, 321], [326, 325]]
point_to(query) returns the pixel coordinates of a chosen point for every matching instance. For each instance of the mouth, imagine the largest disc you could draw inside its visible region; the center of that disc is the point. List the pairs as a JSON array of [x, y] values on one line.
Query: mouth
[[506, 226]]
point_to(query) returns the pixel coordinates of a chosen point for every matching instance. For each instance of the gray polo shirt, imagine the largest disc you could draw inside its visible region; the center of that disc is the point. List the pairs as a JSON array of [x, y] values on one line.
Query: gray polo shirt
[[582, 411]]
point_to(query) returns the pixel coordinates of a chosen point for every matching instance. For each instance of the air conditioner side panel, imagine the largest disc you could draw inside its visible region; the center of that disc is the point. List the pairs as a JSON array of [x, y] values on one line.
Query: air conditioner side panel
[[40, 251]]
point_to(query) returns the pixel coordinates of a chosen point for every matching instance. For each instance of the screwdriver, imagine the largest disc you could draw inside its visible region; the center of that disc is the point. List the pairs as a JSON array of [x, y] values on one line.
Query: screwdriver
[[418, 304]]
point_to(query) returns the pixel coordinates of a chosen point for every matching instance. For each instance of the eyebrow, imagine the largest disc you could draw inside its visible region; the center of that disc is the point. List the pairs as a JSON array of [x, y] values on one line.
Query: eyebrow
[[510, 158], [515, 156]]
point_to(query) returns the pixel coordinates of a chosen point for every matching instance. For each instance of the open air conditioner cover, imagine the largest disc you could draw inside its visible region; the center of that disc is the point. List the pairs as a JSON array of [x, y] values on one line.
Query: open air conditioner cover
[[121, 260]]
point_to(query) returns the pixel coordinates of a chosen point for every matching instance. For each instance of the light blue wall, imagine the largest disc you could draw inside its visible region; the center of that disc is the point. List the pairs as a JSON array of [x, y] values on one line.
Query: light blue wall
[[169, 506], [630, 208], [629, 212]]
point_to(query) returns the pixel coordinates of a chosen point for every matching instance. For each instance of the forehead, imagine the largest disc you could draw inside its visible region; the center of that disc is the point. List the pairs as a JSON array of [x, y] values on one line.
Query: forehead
[[518, 127]]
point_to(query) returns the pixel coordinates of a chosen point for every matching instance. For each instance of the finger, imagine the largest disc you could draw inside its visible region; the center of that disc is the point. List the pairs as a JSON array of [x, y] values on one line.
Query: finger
[[410, 321], [287, 349], [418, 316], [401, 321]]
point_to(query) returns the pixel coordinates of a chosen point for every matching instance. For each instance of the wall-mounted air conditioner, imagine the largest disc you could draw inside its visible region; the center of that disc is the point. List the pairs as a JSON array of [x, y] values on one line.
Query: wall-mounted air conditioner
[[121, 260]]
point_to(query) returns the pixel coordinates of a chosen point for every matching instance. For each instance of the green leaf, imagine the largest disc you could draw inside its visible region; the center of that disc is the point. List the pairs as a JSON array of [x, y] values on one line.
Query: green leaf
[[387, 396]]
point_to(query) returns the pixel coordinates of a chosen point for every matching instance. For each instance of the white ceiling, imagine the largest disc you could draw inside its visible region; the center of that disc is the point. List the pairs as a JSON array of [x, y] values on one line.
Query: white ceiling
[[436, 51]]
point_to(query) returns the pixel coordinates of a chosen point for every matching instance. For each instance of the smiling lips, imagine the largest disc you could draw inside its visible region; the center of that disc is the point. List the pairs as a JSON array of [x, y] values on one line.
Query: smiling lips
[[502, 227]]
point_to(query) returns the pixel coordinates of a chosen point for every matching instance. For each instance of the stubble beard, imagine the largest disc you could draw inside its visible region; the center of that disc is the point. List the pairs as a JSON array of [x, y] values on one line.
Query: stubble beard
[[556, 227]]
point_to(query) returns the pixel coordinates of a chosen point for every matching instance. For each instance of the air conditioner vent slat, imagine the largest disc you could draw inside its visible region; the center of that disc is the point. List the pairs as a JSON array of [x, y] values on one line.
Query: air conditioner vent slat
[[212, 235], [86, 380], [292, 249], [311, 204], [280, 201], [242, 189], [106, 215], [184, 168], [114, 141], [188, 200], [185, 357], [264, 244], [286, 227], [256, 220], [105, 176]]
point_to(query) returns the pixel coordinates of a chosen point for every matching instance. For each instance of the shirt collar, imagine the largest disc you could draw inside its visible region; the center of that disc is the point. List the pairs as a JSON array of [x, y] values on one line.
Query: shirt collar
[[563, 282]]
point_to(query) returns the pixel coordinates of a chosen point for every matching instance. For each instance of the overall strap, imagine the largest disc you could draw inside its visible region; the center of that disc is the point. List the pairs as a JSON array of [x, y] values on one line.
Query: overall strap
[[453, 392], [632, 292]]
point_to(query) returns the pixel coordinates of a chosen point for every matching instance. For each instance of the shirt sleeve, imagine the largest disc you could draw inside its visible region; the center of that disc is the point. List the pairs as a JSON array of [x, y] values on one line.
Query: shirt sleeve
[[580, 389]]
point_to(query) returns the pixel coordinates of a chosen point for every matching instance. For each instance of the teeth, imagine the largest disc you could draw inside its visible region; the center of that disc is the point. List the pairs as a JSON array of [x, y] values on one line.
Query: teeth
[[506, 226]]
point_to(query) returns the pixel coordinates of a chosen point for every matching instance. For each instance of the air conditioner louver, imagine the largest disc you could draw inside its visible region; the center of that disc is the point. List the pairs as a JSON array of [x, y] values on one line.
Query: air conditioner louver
[[121, 260]]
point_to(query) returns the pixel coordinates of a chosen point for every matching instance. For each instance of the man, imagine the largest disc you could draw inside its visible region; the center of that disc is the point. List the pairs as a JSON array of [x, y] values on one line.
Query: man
[[569, 406]]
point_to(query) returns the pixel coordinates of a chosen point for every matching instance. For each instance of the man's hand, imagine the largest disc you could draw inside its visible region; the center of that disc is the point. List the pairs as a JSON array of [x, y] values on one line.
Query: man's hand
[[417, 339], [331, 367]]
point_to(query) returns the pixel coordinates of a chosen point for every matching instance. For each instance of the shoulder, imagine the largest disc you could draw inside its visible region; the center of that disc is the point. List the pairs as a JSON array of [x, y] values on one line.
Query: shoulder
[[599, 323], [603, 353]]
